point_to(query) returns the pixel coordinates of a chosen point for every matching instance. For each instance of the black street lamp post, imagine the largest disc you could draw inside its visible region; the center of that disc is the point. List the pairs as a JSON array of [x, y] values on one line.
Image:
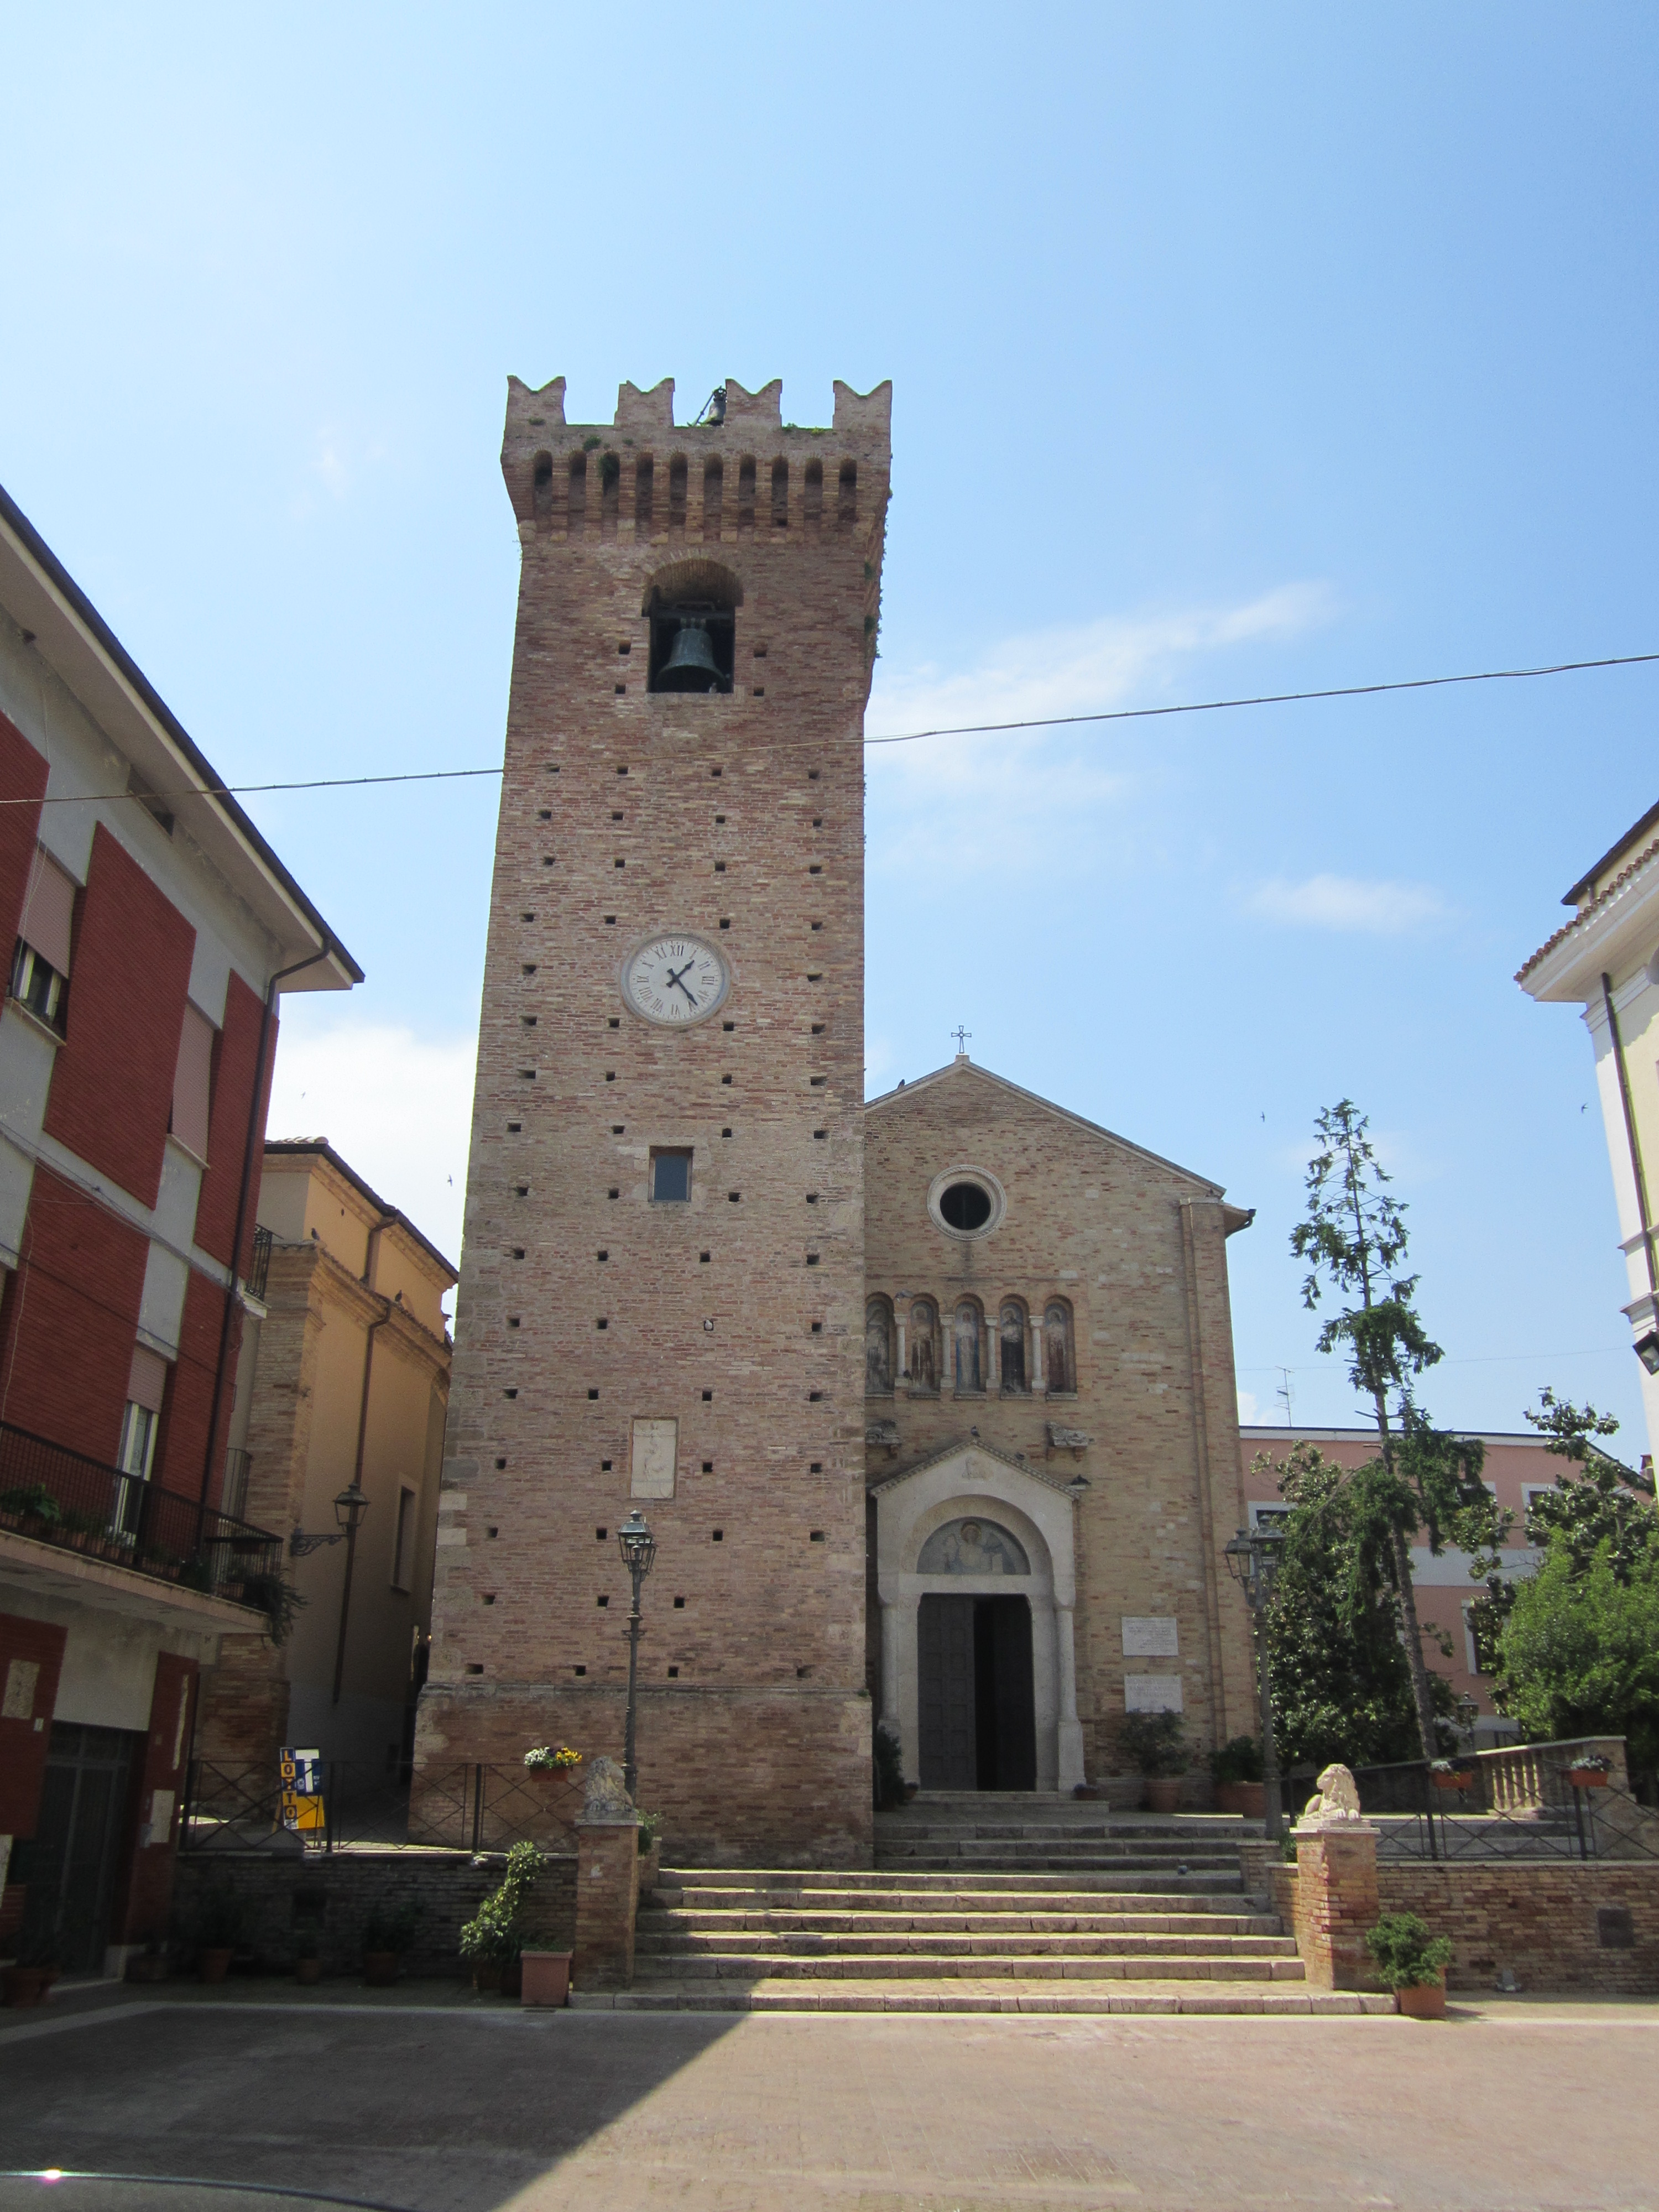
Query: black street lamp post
[[350, 1508], [639, 1548], [1253, 1559]]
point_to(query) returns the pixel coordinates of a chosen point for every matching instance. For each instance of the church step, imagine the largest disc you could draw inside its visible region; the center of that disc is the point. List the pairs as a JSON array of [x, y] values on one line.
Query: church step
[[970, 1996], [913, 1942], [962, 1918], [1066, 1869], [900, 1965], [922, 1889]]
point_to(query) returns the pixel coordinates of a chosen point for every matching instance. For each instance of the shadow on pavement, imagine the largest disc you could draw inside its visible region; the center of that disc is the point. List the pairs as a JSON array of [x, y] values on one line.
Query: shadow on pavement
[[438, 2104]]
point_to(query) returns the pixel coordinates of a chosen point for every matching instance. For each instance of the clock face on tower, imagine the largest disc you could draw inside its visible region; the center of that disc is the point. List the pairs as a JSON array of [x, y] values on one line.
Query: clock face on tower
[[675, 979]]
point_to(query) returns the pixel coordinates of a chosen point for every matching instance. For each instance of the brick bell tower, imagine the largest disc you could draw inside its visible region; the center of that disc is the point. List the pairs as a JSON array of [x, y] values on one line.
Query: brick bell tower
[[662, 1284]]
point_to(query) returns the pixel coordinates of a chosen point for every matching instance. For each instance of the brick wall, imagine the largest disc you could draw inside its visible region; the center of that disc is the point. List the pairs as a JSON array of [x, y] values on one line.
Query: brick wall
[[1559, 1925], [741, 817], [111, 1088], [182, 1460], [340, 1891], [68, 1320]]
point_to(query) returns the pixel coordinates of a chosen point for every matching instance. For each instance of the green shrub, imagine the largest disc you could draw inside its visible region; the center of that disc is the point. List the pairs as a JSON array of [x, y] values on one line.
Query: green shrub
[[32, 1501], [1404, 1952], [1154, 1743], [650, 1829], [1239, 1759], [493, 1931]]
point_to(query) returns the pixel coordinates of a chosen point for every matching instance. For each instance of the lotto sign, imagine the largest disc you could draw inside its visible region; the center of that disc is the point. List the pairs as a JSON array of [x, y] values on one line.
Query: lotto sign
[[301, 1771], [302, 1814]]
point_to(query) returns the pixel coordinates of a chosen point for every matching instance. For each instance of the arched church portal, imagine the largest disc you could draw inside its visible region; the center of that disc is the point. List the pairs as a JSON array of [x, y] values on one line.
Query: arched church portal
[[975, 1575]]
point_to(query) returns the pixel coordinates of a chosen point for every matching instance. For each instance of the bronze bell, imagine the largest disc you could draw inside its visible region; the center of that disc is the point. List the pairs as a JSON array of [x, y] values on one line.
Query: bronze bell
[[691, 665]]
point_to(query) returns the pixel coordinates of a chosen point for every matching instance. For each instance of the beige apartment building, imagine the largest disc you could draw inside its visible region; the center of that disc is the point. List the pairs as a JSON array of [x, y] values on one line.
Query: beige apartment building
[[344, 1377], [1606, 960]]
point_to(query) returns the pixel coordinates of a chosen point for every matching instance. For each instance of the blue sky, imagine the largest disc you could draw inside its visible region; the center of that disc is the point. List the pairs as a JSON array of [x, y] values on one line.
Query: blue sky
[[1232, 350]]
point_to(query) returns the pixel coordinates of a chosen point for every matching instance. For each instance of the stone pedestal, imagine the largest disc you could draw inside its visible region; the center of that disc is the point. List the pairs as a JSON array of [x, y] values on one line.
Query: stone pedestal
[[607, 1899], [1336, 1901]]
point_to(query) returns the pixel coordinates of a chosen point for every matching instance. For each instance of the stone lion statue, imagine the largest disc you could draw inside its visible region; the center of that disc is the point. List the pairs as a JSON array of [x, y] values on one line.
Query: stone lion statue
[[1337, 1800], [605, 1794]]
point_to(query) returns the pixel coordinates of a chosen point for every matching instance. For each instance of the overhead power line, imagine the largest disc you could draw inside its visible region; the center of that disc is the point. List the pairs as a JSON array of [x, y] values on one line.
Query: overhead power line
[[907, 737]]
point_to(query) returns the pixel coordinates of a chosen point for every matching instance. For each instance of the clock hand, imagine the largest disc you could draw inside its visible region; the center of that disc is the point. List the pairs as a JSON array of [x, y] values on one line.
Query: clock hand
[[674, 981]]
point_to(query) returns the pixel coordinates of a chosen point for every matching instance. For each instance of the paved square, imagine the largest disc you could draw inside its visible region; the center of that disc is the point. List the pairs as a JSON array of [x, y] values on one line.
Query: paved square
[[442, 2103]]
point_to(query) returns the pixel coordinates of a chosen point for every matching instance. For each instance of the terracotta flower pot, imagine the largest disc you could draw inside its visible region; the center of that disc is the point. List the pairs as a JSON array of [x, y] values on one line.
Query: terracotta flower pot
[[214, 1964], [308, 1972], [1422, 2000], [545, 1977], [1250, 1798], [1459, 1780], [380, 1969], [1162, 1792], [486, 1976], [26, 1985], [1588, 1778]]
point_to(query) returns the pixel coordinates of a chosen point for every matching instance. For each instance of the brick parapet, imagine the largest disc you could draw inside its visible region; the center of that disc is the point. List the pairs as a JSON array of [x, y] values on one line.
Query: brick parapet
[[1336, 1901], [607, 1904]]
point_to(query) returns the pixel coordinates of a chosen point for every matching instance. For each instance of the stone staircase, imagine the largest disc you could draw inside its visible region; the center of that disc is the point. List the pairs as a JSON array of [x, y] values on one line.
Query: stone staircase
[[981, 1904]]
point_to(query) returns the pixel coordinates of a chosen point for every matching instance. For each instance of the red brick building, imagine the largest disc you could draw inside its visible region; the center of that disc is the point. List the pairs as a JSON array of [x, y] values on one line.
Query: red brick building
[[154, 929]]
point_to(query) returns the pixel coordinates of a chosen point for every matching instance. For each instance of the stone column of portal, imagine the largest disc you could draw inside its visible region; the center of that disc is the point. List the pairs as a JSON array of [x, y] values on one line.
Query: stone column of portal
[[890, 1666], [1070, 1728]]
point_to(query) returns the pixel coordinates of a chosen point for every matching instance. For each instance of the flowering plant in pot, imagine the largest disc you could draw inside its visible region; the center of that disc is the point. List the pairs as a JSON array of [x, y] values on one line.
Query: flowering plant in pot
[[1451, 1773], [1236, 1770], [1412, 1963], [1154, 1744], [388, 1933], [1591, 1771], [544, 1760]]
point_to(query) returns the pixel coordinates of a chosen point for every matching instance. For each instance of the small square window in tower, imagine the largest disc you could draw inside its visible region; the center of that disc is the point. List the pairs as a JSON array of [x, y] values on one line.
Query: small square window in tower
[[671, 1177], [692, 610]]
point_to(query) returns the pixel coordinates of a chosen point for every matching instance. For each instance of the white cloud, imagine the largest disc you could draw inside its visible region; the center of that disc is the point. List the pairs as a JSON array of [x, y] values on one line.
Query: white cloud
[[396, 1106], [1016, 795], [1375, 908], [1250, 1411]]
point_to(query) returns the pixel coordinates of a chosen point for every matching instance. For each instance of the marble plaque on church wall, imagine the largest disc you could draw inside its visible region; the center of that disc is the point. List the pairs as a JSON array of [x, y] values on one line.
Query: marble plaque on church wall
[[1150, 1635], [656, 1445], [1152, 1693]]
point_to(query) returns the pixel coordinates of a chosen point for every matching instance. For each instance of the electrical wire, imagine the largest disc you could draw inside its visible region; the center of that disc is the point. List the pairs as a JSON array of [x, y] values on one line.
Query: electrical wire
[[909, 737]]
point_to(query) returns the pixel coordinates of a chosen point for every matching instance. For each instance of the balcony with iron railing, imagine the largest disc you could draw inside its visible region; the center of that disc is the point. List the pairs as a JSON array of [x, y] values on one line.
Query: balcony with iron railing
[[62, 1497], [258, 1265]]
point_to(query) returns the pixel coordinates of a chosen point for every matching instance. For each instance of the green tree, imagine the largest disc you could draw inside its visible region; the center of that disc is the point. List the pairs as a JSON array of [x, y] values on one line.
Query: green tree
[[1342, 1689], [1578, 1654], [1607, 1503], [1424, 1479]]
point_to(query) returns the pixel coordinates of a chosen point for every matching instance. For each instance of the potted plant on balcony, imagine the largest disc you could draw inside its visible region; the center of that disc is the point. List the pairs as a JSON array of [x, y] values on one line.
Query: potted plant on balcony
[[388, 1933], [1412, 1963], [1451, 1773], [1155, 1746], [1590, 1771], [1236, 1770], [220, 1921]]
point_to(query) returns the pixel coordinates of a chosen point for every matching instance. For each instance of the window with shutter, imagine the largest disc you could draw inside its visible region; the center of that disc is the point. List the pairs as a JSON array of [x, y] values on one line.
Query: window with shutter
[[193, 1082]]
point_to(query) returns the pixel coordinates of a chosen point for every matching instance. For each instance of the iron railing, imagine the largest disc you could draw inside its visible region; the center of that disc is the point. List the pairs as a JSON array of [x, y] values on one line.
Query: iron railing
[[77, 1504], [1482, 1814], [258, 1265], [466, 1805]]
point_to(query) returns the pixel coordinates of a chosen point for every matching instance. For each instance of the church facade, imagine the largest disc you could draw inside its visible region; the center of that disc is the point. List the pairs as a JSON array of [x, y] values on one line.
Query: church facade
[[929, 1402]]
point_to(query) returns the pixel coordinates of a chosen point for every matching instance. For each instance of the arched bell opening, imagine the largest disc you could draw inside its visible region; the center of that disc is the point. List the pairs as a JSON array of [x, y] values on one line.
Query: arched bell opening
[[692, 610]]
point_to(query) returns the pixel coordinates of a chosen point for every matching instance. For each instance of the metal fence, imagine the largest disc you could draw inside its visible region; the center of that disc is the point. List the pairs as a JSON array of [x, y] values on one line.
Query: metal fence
[[65, 1498], [1480, 1815], [469, 1805]]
